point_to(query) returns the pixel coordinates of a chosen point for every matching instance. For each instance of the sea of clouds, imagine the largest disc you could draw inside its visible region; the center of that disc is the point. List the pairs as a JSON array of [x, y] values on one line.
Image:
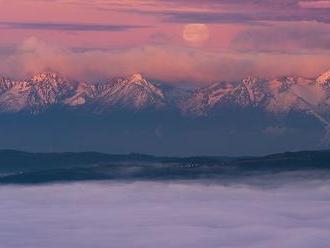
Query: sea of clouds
[[167, 215]]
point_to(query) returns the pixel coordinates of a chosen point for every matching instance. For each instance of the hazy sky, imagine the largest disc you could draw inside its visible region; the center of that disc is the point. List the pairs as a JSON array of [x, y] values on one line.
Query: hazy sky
[[105, 38]]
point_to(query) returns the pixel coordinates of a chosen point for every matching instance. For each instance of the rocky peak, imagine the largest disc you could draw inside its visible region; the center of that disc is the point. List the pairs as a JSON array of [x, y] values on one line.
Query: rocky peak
[[47, 77], [250, 80], [138, 80], [136, 77], [5, 84], [324, 79], [3, 79]]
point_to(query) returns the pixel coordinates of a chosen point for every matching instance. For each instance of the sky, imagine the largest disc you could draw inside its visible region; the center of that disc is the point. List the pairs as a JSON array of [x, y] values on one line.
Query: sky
[[176, 41]]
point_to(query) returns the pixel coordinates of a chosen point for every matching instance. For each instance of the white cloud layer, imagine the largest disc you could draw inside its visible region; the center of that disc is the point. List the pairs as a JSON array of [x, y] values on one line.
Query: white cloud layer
[[171, 215]]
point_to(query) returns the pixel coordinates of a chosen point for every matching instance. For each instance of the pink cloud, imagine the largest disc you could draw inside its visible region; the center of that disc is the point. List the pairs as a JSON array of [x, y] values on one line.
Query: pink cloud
[[166, 63], [299, 37], [314, 4]]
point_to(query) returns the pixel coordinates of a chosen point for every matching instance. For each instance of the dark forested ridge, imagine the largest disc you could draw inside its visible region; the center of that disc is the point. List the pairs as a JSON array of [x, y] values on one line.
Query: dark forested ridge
[[23, 167]]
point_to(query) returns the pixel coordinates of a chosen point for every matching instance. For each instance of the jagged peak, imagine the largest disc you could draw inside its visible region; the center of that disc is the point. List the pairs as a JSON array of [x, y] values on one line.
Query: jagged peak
[[250, 79], [5, 83], [324, 78], [4, 77], [251, 82], [136, 77], [284, 80], [138, 80], [44, 76]]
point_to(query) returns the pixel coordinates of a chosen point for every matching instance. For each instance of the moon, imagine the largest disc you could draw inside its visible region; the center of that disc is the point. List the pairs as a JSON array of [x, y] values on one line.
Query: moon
[[196, 33]]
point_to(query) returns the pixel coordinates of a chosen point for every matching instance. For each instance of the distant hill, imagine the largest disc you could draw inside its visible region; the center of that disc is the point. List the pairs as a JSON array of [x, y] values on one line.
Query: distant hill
[[22, 167]]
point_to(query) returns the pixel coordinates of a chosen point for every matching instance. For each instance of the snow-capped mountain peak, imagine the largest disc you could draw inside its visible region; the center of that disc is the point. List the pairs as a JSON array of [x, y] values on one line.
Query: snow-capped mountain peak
[[324, 79], [136, 77], [134, 92], [5, 84], [250, 80], [47, 77], [36, 94], [138, 80]]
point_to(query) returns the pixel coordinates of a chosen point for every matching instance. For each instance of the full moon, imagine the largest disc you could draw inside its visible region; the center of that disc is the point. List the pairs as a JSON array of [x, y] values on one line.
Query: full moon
[[196, 33]]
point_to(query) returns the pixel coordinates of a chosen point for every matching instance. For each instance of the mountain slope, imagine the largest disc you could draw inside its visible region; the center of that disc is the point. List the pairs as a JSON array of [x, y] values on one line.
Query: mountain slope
[[133, 93], [324, 79], [280, 95], [41, 91], [202, 100]]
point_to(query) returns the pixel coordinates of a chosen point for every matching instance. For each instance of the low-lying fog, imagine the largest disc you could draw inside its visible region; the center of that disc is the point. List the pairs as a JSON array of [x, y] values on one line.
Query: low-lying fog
[[166, 215]]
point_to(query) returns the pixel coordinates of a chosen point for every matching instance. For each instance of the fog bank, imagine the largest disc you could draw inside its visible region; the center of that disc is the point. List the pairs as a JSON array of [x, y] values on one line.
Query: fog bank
[[171, 215]]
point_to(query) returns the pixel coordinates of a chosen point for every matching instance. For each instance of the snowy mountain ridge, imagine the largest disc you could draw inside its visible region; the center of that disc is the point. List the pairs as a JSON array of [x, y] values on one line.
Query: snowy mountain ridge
[[281, 95]]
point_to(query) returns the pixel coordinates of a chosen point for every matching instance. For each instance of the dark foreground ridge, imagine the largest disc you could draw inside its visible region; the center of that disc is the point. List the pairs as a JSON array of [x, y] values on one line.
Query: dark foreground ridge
[[18, 167]]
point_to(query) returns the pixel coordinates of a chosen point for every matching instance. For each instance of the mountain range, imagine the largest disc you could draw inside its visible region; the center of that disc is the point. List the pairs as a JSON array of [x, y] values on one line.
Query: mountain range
[[281, 95], [45, 90], [278, 107]]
